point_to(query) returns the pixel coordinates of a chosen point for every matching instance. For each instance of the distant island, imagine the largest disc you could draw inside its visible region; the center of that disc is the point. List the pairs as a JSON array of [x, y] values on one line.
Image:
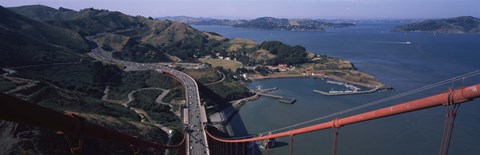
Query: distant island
[[268, 23], [458, 25]]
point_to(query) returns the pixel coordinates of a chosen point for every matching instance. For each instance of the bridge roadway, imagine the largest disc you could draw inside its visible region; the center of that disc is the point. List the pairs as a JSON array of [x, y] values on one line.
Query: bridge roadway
[[196, 141]]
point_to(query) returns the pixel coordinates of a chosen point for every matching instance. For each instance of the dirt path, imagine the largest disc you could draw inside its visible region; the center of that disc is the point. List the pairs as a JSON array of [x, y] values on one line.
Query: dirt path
[[145, 117], [142, 113], [221, 80], [105, 93]]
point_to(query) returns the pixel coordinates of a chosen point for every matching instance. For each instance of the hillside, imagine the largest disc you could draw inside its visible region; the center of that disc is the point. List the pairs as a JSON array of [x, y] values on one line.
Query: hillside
[[86, 21], [43, 13], [458, 25], [25, 41], [157, 37]]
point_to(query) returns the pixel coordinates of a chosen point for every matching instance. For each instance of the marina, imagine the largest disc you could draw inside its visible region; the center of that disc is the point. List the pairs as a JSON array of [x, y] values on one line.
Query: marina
[[347, 92]]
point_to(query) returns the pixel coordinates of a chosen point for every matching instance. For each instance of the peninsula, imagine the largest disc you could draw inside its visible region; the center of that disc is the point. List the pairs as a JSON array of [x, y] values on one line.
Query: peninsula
[[458, 25]]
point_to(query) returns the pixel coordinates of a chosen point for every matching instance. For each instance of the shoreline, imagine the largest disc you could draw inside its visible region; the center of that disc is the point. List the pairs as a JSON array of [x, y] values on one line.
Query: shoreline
[[376, 84]]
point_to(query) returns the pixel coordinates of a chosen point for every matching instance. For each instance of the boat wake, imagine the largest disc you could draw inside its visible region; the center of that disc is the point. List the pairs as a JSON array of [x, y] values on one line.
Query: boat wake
[[391, 42]]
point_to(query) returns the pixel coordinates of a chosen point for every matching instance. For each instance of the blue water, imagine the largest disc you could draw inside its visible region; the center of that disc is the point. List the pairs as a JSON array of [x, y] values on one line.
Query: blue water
[[375, 50]]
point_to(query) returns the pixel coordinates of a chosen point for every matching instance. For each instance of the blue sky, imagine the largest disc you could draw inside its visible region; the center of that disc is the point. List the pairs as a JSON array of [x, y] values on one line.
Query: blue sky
[[356, 9]]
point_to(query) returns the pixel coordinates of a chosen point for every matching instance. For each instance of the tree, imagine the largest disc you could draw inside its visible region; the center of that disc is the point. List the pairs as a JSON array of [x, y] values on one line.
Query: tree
[[105, 73], [262, 70], [291, 55]]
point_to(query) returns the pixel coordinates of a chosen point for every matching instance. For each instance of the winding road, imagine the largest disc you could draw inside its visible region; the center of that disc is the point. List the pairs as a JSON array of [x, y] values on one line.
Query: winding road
[[194, 111]]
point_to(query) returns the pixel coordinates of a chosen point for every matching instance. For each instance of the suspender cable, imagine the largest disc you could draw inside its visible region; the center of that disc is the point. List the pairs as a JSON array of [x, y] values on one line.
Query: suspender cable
[[291, 145], [450, 116], [253, 148], [335, 137], [243, 148]]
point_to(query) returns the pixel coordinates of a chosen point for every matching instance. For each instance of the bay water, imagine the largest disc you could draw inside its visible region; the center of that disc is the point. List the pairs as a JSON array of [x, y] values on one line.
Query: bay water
[[405, 61]]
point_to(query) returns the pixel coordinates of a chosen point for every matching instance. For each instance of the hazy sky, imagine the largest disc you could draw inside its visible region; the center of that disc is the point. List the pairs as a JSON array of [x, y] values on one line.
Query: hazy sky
[[275, 8]]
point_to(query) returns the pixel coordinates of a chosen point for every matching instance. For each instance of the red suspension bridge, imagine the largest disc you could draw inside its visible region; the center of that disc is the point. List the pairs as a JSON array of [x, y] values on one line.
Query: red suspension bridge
[[76, 127]]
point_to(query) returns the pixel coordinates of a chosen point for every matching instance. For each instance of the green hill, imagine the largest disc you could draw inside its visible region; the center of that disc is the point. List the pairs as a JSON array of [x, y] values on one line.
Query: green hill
[[43, 13], [458, 25], [25, 41], [92, 21], [174, 38], [86, 22]]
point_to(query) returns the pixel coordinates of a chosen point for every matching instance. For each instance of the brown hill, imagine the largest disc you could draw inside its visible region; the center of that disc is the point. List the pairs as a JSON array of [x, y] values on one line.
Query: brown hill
[[25, 41]]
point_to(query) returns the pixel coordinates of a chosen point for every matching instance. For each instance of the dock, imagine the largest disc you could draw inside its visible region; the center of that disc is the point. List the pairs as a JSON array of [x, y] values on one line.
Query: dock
[[280, 98], [263, 91]]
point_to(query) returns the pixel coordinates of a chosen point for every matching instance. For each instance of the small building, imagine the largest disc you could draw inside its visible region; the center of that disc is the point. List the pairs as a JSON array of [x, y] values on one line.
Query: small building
[[316, 59], [282, 67], [272, 67]]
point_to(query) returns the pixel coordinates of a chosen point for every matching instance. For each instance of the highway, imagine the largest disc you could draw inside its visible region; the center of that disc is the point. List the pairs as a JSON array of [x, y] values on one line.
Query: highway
[[197, 139], [99, 54]]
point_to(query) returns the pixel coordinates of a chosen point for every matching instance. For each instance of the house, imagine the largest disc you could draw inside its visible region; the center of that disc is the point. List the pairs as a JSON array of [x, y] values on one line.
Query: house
[[282, 67]]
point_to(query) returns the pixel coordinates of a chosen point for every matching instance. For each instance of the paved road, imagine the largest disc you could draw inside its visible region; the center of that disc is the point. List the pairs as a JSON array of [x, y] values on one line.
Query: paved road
[[197, 139]]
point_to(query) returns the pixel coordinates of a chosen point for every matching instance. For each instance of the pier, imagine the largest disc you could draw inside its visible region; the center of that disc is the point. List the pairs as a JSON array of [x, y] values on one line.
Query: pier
[[280, 98], [263, 92]]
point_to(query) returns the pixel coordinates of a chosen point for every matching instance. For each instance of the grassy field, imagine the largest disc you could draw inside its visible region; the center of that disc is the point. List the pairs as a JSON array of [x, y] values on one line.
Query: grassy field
[[160, 113], [6, 84], [226, 64], [204, 75], [134, 80], [75, 77]]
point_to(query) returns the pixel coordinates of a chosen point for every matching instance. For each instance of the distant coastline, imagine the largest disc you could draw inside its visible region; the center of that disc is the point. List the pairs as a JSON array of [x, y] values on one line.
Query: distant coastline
[[267, 23], [458, 25]]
